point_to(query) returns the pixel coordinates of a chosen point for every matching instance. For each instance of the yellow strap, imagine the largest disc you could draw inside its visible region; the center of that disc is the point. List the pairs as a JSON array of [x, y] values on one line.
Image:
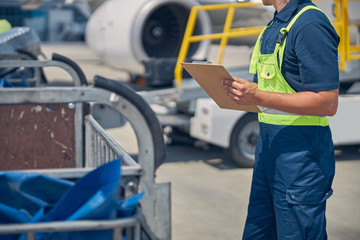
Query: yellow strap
[[287, 29], [255, 53]]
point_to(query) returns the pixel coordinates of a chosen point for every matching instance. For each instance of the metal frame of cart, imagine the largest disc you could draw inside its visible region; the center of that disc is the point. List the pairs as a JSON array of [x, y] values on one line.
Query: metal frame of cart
[[95, 147]]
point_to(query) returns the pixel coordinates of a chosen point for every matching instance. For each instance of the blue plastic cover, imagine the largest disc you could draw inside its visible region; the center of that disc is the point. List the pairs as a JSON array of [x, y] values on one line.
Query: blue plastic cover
[[30, 197], [4, 83]]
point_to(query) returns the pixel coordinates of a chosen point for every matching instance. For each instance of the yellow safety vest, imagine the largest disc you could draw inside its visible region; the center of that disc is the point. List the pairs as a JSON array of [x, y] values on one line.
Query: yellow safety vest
[[270, 79]]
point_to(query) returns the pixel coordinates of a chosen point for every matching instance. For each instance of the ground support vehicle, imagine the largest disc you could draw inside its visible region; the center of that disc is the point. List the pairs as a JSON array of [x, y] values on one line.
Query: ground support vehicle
[[89, 145]]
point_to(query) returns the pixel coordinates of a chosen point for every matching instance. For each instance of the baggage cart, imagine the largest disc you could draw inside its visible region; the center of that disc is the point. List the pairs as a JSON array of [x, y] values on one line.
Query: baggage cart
[[92, 145]]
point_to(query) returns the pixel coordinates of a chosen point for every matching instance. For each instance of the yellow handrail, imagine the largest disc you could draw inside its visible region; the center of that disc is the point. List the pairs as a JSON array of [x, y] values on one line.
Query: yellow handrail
[[347, 51], [227, 33]]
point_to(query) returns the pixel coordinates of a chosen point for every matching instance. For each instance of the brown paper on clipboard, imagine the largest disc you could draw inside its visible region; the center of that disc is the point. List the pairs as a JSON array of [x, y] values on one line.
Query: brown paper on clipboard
[[209, 78]]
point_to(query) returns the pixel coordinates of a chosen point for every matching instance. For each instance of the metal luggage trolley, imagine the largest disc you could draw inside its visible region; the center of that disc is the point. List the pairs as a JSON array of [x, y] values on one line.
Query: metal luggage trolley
[[94, 147]]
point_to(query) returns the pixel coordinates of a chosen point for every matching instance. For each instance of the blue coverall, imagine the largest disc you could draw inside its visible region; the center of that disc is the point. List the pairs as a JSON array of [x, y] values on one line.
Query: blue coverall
[[295, 165]]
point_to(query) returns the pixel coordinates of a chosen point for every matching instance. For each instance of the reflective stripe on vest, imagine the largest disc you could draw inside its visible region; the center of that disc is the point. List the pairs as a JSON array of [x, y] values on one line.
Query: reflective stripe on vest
[[270, 79]]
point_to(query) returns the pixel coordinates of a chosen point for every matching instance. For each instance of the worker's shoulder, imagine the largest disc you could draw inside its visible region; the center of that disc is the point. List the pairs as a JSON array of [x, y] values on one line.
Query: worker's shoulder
[[312, 20], [312, 16]]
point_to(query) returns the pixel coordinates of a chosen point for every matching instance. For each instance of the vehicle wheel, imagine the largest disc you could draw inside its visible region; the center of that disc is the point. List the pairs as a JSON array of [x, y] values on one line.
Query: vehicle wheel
[[243, 141]]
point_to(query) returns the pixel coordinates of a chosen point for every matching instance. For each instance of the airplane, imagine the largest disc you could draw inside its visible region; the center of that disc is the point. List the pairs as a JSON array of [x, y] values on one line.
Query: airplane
[[125, 34]]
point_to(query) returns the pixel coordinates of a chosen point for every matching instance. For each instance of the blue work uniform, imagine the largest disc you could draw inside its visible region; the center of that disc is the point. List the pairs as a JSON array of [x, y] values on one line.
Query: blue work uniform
[[295, 164]]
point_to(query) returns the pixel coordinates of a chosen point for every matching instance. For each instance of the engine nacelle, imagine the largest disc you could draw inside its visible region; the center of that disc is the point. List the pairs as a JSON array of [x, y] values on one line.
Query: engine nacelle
[[126, 33]]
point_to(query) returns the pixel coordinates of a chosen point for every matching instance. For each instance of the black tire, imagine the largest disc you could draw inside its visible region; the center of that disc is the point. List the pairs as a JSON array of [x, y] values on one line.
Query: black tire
[[243, 141]]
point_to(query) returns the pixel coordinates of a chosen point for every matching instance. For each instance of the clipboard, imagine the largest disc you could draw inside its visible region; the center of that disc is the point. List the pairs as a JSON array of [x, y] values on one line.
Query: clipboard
[[209, 78]]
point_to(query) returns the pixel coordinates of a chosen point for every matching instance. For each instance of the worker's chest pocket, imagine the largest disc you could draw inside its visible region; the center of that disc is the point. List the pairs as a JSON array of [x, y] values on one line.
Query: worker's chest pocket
[[268, 71], [270, 79], [267, 78]]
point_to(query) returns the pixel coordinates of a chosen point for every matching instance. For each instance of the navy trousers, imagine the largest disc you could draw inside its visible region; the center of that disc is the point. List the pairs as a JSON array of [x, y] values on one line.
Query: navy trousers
[[292, 178]]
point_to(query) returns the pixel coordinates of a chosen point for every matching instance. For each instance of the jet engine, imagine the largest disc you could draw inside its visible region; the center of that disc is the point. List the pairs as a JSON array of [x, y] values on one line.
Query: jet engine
[[126, 33]]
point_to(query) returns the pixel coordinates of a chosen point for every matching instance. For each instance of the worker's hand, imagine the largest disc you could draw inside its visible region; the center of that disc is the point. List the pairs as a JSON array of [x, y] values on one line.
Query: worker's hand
[[241, 91]]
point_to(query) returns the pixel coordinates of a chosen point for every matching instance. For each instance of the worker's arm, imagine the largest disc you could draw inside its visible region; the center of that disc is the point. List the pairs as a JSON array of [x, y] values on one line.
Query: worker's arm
[[323, 103]]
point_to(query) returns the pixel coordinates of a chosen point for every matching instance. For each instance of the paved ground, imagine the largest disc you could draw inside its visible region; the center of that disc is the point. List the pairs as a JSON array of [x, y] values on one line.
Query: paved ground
[[210, 194]]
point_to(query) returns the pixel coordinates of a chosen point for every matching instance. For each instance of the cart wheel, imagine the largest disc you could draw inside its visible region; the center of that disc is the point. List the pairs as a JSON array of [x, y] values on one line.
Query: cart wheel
[[243, 141]]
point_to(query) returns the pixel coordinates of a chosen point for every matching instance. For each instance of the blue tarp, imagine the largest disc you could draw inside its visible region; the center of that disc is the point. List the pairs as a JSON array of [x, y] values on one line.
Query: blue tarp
[[4, 83], [30, 197]]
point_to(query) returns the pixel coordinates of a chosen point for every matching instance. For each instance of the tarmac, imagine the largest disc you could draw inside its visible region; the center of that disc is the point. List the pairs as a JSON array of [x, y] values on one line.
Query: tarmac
[[209, 193]]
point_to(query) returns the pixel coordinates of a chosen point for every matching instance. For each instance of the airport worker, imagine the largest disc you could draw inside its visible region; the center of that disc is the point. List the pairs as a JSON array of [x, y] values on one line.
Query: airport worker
[[295, 62]]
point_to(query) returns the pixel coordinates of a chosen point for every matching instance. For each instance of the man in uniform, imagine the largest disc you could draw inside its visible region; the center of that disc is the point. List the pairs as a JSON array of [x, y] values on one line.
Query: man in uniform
[[295, 62]]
